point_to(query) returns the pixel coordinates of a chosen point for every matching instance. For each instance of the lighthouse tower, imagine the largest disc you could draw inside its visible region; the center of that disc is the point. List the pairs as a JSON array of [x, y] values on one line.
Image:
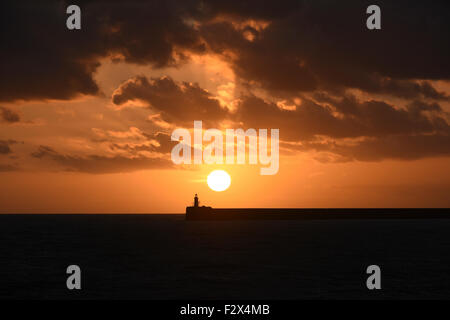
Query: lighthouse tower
[[196, 201]]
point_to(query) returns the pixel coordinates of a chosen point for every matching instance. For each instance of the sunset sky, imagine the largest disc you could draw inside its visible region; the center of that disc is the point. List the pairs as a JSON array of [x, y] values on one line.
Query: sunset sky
[[86, 115]]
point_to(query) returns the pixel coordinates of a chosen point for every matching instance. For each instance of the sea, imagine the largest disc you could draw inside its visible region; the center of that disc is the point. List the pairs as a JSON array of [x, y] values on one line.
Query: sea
[[162, 256]]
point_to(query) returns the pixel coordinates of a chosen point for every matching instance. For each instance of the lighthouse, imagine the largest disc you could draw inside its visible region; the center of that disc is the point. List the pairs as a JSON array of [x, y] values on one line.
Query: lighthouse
[[196, 201], [196, 212]]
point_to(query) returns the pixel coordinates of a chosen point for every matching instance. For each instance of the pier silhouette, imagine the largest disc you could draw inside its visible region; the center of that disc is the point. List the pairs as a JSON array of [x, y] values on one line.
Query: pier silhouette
[[197, 212]]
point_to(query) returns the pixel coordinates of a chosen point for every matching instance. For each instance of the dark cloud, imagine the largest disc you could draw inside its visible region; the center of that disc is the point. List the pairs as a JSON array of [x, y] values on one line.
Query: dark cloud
[[163, 140], [179, 103], [8, 167], [5, 146], [301, 49], [346, 129], [325, 44], [305, 45], [333, 118], [100, 164], [42, 59], [353, 119], [405, 147], [399, 147], [312, 49], [8, 115]]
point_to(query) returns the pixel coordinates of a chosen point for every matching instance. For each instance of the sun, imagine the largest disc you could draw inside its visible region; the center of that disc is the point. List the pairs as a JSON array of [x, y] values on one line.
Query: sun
[[219, 180]]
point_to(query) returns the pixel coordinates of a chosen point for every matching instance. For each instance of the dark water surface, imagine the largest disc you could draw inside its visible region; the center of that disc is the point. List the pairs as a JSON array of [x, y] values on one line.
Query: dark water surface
[[166, 257]]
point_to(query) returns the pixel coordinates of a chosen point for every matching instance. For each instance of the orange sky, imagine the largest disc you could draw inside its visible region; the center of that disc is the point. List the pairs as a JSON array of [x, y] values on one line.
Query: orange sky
[[69, 126], [301, 181]]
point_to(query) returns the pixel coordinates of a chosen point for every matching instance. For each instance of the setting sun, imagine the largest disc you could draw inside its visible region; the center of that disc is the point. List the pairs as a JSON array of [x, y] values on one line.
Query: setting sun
[[219, 180]]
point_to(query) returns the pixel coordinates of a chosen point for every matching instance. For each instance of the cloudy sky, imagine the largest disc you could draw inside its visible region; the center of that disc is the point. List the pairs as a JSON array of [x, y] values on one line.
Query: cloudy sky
[[86, 115]]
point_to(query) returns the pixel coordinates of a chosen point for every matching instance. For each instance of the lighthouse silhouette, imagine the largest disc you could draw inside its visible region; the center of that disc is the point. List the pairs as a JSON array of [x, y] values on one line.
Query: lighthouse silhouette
[[196, 201], [196, 212]]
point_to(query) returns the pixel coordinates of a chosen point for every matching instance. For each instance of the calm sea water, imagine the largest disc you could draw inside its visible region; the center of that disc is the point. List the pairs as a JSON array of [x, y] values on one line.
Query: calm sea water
[[165, 257]]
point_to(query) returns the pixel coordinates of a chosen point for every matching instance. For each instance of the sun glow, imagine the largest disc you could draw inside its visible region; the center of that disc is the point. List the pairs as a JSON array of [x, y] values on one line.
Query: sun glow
[[219, 180]]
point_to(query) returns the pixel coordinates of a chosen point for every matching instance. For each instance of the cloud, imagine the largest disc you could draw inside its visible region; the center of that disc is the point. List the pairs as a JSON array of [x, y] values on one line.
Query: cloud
[[295, 64], [284, 47], [98, 164], [178, 103], [398, 147], [335, 119], [5, 146], [8, 115], [159, 142], [42, 59], [341, 118], [404, 147], [165, 143], [325, 45], [346, 129], [8, 168]]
